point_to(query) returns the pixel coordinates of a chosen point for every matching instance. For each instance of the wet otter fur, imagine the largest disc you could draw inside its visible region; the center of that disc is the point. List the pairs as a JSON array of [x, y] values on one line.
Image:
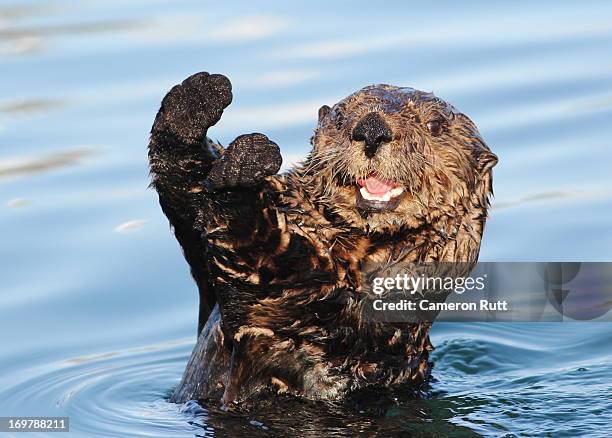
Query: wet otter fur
[[279, 260]]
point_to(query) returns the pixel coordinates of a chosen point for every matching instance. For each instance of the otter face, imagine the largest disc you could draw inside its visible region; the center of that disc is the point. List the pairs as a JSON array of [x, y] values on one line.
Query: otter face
[[387, 157]]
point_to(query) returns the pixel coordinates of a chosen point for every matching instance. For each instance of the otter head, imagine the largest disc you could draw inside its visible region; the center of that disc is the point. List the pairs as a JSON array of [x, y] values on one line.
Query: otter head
[[387, 157]]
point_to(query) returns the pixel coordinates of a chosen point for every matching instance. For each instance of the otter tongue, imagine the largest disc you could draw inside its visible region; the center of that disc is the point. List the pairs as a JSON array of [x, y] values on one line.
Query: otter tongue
[[376, 186]]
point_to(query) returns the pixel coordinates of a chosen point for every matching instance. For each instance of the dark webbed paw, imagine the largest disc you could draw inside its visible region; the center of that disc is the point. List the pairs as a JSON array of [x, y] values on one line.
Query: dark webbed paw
[[247, 161], [189, 109]]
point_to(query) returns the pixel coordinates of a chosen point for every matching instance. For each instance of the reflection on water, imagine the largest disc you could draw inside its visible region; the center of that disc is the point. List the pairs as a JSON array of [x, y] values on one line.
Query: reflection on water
[[130, 225], [30, 106], [17, 203], [36, 165], [97, 308], [537, 197], [68, 29], [20, 46]]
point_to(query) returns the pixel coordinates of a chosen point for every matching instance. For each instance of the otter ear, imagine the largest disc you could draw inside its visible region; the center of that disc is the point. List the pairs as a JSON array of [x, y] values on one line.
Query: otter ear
[[486, 161], [323, 111]]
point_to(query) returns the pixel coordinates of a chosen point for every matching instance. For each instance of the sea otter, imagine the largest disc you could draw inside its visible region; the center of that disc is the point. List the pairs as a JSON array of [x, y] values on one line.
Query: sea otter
[[394, 174]]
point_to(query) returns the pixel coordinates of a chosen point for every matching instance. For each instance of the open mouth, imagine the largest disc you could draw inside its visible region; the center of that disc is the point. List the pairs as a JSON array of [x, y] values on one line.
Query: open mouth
[[378, 194]]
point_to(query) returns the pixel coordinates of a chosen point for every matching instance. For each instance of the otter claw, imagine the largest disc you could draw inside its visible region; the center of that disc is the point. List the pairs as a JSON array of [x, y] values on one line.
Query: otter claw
[[247, 161]]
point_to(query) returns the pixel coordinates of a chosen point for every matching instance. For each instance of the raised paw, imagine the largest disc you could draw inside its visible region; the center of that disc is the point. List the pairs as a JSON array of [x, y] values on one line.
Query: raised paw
[[246, 162], [189, 109]]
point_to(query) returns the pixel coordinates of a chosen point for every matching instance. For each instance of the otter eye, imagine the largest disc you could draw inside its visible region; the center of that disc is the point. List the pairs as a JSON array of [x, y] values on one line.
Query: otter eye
[[435, 127]]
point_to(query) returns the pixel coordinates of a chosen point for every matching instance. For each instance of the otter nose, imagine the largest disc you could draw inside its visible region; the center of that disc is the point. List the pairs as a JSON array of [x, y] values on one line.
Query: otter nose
[[372, 130]]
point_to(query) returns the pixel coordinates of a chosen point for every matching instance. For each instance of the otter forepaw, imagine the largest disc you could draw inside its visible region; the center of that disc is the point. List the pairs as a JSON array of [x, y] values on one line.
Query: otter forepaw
[[246, 162], [189, 109]]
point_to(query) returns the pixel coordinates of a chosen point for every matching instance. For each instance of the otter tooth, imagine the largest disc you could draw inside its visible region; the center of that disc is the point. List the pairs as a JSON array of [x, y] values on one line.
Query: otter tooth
[[396, 191], [365, 193], [384, 198], [369, 196]]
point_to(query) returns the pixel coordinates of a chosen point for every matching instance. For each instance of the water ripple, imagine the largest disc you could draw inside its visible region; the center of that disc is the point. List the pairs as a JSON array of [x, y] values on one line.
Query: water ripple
[[36, 165]]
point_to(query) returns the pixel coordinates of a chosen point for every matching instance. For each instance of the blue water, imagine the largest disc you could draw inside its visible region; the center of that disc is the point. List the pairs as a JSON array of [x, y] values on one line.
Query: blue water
[[97, 309]]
